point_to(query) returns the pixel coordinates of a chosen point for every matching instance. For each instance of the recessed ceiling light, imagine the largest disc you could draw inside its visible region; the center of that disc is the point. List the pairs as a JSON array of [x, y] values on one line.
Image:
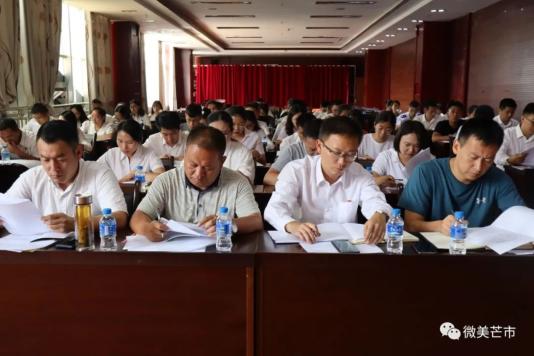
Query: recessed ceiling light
[[390, 35], [345, 2], [402, 29], [437, 10], [150, 21], [327, 27], [335, 16], [128, 11], [380, 41], [310, 42], [441, 10], [238, 27], [244, 37], [417, 21], [226, 16], [243, 42], [321, 37], [359, 52], [223, 2]]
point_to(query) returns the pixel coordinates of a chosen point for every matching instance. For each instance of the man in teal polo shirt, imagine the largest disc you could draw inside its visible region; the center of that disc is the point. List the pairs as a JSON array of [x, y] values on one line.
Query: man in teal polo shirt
[[468, 182]]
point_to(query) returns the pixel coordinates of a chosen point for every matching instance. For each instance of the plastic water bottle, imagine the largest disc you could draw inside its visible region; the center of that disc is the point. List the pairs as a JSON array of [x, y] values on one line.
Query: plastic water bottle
[[6, 156], [108, 231], [394, 233], [140, 177], [223, 226], [458, 232]]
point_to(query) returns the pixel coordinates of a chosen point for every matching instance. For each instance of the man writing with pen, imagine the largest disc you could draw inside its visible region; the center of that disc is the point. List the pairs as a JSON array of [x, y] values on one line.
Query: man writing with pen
[[328, 187], [196, 188]]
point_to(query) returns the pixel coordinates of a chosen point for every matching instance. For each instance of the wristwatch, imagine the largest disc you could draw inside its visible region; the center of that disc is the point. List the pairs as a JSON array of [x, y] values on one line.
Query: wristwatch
[[234, 228], [380, 211]]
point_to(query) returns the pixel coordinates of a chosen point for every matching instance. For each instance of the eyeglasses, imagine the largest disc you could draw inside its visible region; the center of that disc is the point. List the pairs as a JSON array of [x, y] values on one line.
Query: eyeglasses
[[347, 157]]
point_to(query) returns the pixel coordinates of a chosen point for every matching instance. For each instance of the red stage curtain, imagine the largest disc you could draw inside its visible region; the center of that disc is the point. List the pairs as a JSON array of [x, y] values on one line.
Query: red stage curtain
[[240, 84]]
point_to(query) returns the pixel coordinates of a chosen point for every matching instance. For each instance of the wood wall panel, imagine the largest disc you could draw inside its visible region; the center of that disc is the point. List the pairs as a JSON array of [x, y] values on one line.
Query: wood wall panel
[[376, 78], [502, 53], [126, 61], [402, 73], [459, 50]]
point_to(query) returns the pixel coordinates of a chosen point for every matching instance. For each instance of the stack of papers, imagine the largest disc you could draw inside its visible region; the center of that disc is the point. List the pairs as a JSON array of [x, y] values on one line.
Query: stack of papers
[[20, 243], [21, 217]]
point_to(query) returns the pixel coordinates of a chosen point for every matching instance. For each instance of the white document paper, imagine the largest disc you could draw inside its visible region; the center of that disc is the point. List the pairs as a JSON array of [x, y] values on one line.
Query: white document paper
[[21, 217], [328, 232], [319, 247], [19, 243], [441, 242], [180, 229], [186, 244], [529, 159], [421, 157], [513, 228], [364, 248]]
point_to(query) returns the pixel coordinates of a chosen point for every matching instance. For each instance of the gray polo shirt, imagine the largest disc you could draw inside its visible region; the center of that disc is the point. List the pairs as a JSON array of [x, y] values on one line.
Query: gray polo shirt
[[288, 154], [173, 198]]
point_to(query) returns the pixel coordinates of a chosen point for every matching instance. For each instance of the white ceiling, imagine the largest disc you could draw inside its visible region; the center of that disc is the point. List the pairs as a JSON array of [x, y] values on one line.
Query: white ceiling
[[281, 23]]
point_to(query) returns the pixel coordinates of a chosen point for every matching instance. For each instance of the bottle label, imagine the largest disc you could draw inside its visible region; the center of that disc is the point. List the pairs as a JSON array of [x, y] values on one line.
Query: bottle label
[[457, 232], [108, 229], [223, 226], [394, 229]]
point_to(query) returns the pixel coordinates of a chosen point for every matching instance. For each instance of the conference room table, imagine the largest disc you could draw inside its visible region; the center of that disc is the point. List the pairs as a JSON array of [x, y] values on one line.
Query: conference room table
[[262, 299]]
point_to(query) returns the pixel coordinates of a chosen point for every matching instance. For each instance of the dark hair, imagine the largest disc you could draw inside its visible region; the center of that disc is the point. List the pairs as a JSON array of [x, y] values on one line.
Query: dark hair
[[457, 104], [290, 128], [390, 102], [264, 107], [236, 110], [487, 131], [412, 127], [356, 115], [218, 105], [529, 109], [340, 126], [169, 120], [39, 108], [253, 105], [138, 103], [251, 117], [96, 101], [344, 107], [208, 138], [430, 103], [101, 112], [386, 116], [221, 116], [193, 110], [8, 124], [205, 113], [70, 118], [414, 104], [124, 110], [507, 103], [156, 102], [132, 128], [472, 109], [79, 108], [59, 130], [305, 118], [298, 106], [325, 104], [484, 112], [311, 128]]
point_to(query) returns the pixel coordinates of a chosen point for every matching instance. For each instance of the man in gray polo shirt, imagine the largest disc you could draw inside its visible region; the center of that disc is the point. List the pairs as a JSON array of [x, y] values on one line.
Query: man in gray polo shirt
[[194, 191], [306, 145]]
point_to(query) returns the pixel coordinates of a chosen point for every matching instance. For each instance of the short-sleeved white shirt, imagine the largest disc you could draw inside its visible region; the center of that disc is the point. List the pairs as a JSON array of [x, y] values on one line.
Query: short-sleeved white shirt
[[430, 125], [32, 126], [513, 122], [121, 165], [389, 163], [89, 128], [289, 140], [239, 158], [93, 178], [27, 144], [252, 141], [156, 143], [369, 147]]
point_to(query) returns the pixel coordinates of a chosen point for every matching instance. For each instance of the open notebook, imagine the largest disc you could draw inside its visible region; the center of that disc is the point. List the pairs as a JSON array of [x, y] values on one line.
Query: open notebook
[[332, 232]]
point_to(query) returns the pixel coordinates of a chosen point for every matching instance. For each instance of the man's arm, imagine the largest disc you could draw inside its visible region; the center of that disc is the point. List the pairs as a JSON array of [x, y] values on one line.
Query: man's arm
[[142, 224], [20, 152], [271, 177], [437, 137], [414, 222]]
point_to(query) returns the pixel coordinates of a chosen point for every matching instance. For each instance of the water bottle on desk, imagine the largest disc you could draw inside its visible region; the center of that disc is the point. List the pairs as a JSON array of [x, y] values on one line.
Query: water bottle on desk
[[140, 178], [394, 233], [458, 233], [108, 231], [223, 228], [6, 155]]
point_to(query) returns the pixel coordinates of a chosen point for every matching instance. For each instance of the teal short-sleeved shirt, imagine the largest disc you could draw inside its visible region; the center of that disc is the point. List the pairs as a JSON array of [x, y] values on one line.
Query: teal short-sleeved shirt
[[433, 192]]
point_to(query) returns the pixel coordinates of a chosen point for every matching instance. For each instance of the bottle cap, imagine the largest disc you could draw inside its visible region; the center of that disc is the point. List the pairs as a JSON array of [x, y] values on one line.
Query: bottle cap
[[80, 199], [458, 215], [395, 212], [223, 210], [106, 211], [139, 167]]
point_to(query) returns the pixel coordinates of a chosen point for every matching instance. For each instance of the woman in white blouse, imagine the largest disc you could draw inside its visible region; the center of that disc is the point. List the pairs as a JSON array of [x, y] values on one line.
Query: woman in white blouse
[[380, 140], [130, 153], [390, 165], [138, 113], [250, 139], [71, 118], [98, 124]]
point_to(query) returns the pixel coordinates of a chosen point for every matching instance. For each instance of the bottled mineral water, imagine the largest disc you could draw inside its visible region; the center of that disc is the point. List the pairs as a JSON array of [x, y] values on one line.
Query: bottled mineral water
[[140, 178], [223, 226], [394, 233], [108, 231], [6, 155], [458, 233]]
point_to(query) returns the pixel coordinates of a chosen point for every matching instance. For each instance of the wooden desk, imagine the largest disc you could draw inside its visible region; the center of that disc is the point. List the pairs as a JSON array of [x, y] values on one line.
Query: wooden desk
[[94, 303]]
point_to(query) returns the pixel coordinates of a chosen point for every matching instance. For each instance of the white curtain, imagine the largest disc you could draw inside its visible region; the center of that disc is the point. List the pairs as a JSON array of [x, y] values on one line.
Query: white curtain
[[99, 59], [42, 23], [9, 51], [167, 78]]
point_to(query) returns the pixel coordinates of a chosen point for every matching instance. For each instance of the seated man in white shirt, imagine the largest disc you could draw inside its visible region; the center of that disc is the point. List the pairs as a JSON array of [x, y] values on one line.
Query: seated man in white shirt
[[380, 140], [238, 157], [62, 174], [517, 140], [40, 116], [300, 121], [323, 112], [430, 116], [306, 145], [328, 187], [193, 117], [20, 144], [99, 124], [169, 142], [507, 108], [413, 111], [196, 189]]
